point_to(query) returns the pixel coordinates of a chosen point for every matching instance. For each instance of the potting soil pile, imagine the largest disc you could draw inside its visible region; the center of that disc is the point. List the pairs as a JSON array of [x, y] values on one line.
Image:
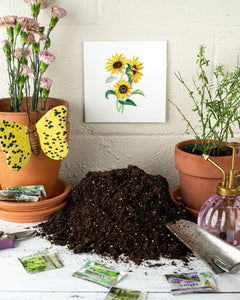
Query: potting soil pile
[[117, 212]]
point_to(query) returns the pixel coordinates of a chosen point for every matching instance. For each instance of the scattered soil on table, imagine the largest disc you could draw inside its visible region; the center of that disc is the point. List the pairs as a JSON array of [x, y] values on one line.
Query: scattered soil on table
[[117, 212]]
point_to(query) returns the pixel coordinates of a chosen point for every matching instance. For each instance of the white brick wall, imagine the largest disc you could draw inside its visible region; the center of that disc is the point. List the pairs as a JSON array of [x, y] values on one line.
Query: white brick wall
[[185, 24]]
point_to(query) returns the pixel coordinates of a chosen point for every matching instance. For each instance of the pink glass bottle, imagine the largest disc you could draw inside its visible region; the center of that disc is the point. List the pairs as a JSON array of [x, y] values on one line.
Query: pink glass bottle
[[220, 214]]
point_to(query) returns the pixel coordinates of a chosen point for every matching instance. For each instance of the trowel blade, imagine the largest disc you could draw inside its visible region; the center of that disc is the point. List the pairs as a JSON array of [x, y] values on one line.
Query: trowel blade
[[219, 255]]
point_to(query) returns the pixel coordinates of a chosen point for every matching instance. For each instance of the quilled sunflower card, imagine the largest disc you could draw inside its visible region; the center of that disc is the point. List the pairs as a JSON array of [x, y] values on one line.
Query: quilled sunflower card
[[125, 81]]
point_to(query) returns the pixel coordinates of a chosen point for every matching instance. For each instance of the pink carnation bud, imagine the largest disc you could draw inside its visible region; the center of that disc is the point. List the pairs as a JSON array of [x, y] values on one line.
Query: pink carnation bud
[[45, 83], [46, 57], [44, 3], [2, 43], [58, 12]]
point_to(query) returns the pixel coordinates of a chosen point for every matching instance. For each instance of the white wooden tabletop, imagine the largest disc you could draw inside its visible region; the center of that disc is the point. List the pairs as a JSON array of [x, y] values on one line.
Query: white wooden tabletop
[[17, 284]]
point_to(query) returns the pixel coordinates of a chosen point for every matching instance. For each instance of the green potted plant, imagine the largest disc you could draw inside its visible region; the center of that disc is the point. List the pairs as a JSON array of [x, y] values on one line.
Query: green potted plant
[[27, 59], [216, 105]]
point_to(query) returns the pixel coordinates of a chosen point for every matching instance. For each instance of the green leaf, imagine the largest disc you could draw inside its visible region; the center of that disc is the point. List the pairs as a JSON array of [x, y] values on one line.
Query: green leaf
[[109, 92], [139, 92], [129, 71], [110, 79], [127, 102]]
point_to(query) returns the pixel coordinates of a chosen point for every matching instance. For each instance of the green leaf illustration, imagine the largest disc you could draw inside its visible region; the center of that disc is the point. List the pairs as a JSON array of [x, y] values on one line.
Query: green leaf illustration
[[127, 102], [110, 79], [139, 92], [129, 71], [110, 92]]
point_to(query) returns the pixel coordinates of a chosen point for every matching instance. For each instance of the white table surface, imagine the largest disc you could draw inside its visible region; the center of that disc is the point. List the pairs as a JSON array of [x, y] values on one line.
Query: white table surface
[[17, 284]]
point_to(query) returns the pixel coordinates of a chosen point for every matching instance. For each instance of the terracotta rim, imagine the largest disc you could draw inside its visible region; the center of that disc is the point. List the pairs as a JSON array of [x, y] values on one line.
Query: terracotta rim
[[176, 197], [28, 217], [63, 188]]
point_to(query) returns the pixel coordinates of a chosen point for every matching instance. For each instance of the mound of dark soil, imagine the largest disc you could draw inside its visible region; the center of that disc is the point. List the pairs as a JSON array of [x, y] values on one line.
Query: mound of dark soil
[[116, 212]]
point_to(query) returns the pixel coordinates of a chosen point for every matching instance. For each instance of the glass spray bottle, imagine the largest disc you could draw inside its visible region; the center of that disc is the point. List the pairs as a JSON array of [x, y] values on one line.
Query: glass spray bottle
[[220, 214]]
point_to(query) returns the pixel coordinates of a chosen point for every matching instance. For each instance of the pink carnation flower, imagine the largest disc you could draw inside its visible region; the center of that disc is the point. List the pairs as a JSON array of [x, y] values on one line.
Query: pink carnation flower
[[31, 39], [26, 52], [45, 83], [25, 71], [30, 25], [58, 12], [46, 57], [8, 21]]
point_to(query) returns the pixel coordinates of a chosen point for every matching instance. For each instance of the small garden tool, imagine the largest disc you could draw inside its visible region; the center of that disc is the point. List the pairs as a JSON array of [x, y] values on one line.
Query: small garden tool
[[7, 239], [219, 255], [220, 214]]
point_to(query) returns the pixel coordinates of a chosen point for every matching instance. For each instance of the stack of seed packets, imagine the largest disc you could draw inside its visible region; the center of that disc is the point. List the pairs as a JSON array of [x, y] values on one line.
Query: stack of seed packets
[[30, 193], [41, 261], [191, 282], [107, 277]]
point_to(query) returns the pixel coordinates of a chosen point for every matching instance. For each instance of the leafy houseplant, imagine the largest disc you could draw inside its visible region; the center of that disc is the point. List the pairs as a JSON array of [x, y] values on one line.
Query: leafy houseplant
[[24, 64], [215, 104], [217, 108], [28, 57]]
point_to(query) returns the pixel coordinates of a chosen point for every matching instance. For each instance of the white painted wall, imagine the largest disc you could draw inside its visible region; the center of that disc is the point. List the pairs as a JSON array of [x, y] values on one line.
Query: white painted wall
[[185, 24]]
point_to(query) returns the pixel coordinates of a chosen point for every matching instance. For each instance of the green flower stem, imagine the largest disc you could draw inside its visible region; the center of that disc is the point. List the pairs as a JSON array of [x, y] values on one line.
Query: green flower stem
[[117, 107], [188, 122], [122, 108]]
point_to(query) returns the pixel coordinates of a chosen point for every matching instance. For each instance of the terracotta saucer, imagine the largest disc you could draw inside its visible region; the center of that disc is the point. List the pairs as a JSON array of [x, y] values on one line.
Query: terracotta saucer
[[28, 217], [63, 188], [177, 198]]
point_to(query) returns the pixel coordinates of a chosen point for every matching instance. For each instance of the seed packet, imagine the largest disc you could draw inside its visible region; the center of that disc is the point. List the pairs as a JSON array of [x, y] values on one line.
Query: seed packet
[[31, 193], [123, 294], [191, 282], [98, 273], [16, 196], [30, 189], [41, 261]]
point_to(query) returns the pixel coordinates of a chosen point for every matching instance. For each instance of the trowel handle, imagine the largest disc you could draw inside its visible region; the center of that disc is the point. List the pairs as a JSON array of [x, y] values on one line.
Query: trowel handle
[[4, 244]]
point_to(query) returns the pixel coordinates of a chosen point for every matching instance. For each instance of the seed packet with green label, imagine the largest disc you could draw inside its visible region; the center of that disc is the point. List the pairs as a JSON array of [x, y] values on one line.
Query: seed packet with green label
[[16, 196], [191, 282], [30, 189], [123, 294], [99, 273], [41, 261]]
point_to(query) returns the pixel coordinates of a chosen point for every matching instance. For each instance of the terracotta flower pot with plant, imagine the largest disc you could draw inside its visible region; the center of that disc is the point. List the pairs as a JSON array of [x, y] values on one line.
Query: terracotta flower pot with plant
[[216, 106], [33, 127]]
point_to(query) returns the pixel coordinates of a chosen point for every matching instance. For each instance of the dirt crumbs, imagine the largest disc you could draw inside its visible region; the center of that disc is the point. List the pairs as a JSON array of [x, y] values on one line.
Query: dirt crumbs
[[117, 212]]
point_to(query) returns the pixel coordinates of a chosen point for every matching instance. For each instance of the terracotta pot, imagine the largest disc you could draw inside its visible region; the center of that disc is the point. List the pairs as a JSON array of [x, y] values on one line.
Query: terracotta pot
[[198, 177], [40, 169], [177, 198]]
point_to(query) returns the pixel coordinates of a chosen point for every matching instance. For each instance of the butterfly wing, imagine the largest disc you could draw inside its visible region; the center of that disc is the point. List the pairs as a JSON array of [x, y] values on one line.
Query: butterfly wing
[[52, 133], [15, 143]]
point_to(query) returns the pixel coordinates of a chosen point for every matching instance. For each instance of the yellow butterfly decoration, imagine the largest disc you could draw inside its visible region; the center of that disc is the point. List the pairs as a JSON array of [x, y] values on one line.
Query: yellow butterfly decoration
[[20, 141]]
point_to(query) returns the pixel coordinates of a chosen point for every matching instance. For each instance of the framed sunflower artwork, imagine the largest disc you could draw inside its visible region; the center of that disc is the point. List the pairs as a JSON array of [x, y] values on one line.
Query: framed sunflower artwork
[[125, 81]]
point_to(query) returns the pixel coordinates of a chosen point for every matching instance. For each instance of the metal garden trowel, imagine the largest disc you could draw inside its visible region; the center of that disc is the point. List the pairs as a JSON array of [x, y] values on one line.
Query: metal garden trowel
[[219, 255]]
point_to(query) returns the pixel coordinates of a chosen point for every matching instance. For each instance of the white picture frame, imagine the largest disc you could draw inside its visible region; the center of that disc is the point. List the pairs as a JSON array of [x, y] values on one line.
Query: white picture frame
[[135, 74]]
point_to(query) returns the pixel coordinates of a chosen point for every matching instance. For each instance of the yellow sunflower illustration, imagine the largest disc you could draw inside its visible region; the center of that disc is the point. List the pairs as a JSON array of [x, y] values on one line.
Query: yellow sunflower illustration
[[116, 64], [122, 89], [136, 67]]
